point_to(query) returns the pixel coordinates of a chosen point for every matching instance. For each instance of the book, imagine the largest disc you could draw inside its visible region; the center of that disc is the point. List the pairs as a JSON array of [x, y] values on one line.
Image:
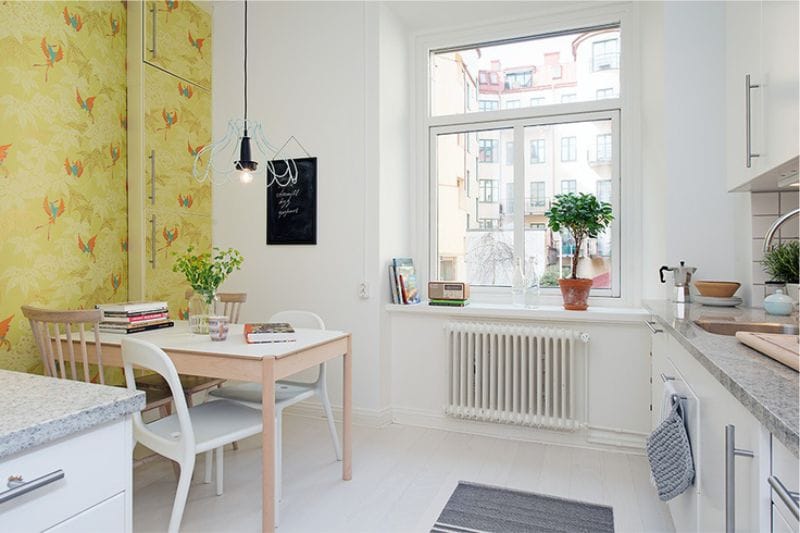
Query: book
[[449, 303], [138, 319], [131, 325], [137, 329], [133, 314], [269, 332], [131, 307], [393, 285], [406, 280]]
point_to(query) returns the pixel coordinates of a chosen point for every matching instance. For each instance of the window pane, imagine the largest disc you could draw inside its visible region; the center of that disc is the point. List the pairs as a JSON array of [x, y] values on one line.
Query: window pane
[[565, 68], [475, 231], [579, 170]]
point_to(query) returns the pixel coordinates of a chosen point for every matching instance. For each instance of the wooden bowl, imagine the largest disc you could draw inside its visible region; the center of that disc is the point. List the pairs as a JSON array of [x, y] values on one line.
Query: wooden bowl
[[717, 289]]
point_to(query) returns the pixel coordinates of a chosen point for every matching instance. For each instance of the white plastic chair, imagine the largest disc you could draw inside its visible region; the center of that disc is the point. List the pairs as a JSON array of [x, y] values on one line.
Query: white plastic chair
[[189, 431], [287, 393]]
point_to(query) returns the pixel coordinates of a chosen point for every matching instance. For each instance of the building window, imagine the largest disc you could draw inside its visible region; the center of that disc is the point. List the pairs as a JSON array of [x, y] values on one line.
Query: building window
[[604, 147], [487, 105], [512, 104], [569, 186], [480, 235], [604, 191], [493, 78], [556, 72], [487, 150], [537, 151], [487, 190], [569, 148], [519, 80], [537, 198], [605, 54], [602, 94], [482, 77]]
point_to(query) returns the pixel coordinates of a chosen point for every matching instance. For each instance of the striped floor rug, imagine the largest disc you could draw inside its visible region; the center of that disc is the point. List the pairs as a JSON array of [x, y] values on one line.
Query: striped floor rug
[[475, 508]]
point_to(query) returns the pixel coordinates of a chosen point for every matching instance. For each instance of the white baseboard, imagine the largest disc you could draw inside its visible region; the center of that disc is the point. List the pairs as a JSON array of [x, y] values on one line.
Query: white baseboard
[[362, 417], [617, 437]]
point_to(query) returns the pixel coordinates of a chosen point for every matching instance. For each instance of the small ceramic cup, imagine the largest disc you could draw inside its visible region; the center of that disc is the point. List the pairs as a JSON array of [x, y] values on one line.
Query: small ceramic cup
[[218, 327]]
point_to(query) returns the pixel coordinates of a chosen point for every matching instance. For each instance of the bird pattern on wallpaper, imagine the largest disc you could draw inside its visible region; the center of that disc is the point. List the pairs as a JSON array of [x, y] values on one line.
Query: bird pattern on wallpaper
[[62, 134]]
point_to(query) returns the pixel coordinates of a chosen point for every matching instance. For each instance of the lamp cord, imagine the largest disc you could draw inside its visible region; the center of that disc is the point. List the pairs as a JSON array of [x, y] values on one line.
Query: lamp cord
[[245, 68]]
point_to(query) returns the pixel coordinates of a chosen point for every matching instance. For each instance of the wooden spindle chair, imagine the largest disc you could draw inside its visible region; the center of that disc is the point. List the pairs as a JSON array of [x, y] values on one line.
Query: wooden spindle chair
[[232, 304]]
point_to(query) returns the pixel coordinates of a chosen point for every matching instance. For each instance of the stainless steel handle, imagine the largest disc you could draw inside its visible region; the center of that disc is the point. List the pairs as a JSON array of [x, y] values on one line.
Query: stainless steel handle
[[652, 327], [747, 108], [152, 196], [153, 241], [665, 378], [791, 499], [731, 451], [17, 487], [154, 14]]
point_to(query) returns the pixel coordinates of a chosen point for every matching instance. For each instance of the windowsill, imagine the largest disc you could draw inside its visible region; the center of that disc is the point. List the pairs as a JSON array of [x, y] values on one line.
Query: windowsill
[[541, 312]]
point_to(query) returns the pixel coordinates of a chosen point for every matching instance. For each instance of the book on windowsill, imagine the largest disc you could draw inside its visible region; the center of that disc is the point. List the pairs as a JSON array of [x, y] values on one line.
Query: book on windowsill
[[449, 303], [134, 328], [403, 278], [258, 333], [132, 307]]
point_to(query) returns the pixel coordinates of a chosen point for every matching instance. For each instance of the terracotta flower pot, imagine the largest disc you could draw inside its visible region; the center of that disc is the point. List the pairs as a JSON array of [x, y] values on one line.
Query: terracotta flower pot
[[575, 293]]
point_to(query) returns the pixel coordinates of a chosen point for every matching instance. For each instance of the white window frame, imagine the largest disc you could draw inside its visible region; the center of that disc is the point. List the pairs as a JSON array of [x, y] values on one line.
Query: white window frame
[[628, 207]]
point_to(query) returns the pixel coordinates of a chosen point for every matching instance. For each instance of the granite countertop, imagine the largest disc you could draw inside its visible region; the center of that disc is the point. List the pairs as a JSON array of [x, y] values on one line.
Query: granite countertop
[[768, 389], [38, 409]]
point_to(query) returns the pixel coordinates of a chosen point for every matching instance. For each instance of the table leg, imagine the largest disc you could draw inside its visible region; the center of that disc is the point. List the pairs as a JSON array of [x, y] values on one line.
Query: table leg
[[347, 411], [268, 446]]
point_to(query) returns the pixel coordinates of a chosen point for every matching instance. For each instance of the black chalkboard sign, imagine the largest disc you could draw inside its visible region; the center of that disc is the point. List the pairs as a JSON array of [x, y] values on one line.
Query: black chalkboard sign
[[292, 210]]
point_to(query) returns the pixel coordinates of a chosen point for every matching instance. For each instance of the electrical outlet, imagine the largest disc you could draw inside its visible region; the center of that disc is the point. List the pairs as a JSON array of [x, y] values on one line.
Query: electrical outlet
[[363, 290]]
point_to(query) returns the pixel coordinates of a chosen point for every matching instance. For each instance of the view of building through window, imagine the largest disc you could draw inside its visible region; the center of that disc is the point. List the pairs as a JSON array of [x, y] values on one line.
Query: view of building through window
[[477, 222]]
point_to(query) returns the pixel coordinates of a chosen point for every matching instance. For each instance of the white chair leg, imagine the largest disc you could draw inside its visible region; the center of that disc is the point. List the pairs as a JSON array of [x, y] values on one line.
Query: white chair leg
[[187, 468], [208, 466], [219, 470], [326, 405], [278, 464]]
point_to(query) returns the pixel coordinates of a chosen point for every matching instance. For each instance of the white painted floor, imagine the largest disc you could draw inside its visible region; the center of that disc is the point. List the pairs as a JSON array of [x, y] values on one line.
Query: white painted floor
[[402, 477]]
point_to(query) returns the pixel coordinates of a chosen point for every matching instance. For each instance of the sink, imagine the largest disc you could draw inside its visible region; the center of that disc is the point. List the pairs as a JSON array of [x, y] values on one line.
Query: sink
[[729, 327]]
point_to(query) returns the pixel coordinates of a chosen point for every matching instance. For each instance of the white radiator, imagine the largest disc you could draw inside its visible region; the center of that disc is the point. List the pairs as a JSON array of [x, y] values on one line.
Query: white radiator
[[516, 374]]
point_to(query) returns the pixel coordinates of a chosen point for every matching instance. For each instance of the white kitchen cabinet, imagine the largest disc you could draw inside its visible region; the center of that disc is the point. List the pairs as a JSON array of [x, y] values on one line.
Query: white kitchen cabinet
[[785, 468], [94, 492], [761, 42]]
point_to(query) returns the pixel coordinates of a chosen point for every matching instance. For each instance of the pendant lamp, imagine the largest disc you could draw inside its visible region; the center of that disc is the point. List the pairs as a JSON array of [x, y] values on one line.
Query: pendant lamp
[[233, 156]]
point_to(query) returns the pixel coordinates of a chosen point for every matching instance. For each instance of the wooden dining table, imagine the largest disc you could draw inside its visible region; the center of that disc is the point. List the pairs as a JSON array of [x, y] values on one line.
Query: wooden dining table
[[263, 363]]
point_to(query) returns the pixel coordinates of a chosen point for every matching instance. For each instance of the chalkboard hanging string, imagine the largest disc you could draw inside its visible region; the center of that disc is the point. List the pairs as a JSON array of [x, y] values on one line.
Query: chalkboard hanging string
[[290, 139]]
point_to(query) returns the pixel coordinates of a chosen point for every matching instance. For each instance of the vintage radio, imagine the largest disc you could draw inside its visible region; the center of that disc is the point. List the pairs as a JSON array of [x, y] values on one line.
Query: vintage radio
[[448, 290]]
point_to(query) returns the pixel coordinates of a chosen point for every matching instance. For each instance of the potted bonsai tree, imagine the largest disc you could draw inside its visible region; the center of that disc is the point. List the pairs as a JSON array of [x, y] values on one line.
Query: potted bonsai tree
[[782, 263], [584, 217]]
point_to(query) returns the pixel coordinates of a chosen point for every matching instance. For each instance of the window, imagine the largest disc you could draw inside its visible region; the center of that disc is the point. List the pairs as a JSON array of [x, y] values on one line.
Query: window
[[476, 236], [569, 186], [482, 78], [488, 190], [510, 153], [487, 105], [604, 147], [493, 78], [602, 94], [569, 148], [556, 72], [537, 151], [538, 198], [604, 191], [487, 148], [519, 80], [605, 54]]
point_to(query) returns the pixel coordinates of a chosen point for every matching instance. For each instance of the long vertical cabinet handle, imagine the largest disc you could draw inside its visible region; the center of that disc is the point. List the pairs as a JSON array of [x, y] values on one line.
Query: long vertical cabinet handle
[[154, 15], [153, 241], [731, 451], [748, 87], [152, 196]]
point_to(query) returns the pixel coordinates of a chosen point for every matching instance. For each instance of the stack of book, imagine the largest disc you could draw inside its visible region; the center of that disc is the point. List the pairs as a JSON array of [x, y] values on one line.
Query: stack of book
[[448, 302], [134, 317], [403, 281], [266, 332]]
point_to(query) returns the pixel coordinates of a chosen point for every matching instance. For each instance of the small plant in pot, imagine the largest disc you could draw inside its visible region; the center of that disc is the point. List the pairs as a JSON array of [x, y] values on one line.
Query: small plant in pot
[[584, 217], [782, 263]]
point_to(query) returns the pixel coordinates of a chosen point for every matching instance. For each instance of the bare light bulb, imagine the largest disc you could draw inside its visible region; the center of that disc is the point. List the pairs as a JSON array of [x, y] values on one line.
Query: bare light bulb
[[245, 177]]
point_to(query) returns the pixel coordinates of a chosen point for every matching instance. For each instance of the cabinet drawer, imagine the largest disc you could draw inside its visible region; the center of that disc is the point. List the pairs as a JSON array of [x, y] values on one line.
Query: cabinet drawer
[[107, 516], [96, 465]]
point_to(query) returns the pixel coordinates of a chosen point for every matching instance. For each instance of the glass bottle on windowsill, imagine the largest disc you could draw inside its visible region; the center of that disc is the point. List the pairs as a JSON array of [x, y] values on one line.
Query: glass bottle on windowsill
[[518, 283], [532, 286]]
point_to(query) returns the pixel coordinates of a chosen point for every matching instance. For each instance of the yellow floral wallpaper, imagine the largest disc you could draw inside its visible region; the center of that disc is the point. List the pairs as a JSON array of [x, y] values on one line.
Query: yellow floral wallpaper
[[63, 189]]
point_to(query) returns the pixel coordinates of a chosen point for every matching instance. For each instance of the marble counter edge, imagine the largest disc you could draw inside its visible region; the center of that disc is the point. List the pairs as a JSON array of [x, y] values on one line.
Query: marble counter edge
[[771, 420], [51, 430]]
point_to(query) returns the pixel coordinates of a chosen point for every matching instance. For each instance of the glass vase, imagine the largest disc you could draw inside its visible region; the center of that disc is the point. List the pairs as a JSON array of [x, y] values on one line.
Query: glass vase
[[201, 306]]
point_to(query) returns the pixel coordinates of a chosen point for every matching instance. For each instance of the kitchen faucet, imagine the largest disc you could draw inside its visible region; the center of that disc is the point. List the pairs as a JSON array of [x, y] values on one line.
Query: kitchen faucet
[[777, 224]]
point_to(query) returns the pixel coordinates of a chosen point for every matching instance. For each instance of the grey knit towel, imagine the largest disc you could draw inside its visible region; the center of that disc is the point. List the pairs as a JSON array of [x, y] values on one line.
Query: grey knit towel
[[670, 455]]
